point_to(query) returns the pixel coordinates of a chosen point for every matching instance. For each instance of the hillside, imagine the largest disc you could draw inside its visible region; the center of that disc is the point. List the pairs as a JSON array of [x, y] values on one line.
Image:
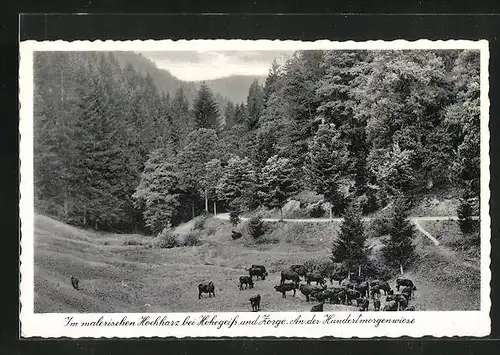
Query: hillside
[[232, 88], [139, 278]]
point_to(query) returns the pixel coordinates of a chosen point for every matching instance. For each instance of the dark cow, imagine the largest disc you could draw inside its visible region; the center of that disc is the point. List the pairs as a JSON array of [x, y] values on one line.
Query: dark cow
[[390, 306], [375, 291], [363, 303], [315, 277], [206, 288], [337, 276], [287, 286], [235, 235], [400, 300], [411, 308], [324, 295], [376, 304], [362, 288], [290, 275], [382, 285], [309, 290], [247, 281], [258, 271], [255, 302], [339, 294], [405, 282], [407, 291], [347, 284], [74, 282], [299, 269], [351, 295], [317, 308]]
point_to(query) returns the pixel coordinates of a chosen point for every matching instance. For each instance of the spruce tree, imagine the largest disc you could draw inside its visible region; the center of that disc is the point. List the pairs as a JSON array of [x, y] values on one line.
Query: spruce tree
[[278, 183], [255, 105], [205, 109], [398, 249], [350, 246]]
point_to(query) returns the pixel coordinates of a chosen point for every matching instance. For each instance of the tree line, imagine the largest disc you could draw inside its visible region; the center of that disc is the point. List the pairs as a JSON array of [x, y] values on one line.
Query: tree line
[[358, 127]]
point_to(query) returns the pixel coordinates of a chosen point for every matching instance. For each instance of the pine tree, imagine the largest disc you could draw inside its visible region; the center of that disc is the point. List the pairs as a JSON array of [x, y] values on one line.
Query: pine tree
[[398, 249], [270, 86], [327, 164], [205, 109], [255, 105], [350, 247], [278, 183]]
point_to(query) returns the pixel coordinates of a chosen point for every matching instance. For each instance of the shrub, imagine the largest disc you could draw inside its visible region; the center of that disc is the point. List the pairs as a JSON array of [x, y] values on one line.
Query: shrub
[[191, 240], [166, 239], [235, 235], [234, 218], [131, 242], [323, 267], [255, 227], [199, 224], [316, 211]]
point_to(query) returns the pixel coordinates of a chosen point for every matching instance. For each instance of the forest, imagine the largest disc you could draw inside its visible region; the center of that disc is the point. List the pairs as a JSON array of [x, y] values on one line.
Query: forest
[[113, 151]]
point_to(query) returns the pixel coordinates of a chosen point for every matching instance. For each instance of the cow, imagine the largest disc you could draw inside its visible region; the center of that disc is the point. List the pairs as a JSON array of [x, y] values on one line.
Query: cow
[[376, 304], [235, 235], [375, 291], [258, 271], [407, 291], [356, 278], [382, 285], [347, 284], [317, 308], [287, 286], [363, 303], [309, 290], [299, 269], [255, 302], [400, 300], [315, 277], [324, 295], [362, 288], [289, 275], [206, 288], [74, 282], [391, 306], [351, 295], [405, 282], [337, 276], [247, 281], [411, 308]]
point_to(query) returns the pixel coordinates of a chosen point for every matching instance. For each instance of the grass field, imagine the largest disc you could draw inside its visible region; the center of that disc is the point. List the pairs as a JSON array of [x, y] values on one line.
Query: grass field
[[137, 278]]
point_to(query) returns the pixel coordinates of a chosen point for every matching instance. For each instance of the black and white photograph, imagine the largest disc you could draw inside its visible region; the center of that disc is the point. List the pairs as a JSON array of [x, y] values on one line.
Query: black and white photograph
[[294, 178]]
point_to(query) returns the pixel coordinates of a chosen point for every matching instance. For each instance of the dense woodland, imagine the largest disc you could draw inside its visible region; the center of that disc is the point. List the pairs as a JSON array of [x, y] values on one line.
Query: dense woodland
[[113, 151]]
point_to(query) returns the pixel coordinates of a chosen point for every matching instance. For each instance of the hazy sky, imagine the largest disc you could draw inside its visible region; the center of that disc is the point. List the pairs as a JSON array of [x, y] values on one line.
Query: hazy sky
[[194, 65]]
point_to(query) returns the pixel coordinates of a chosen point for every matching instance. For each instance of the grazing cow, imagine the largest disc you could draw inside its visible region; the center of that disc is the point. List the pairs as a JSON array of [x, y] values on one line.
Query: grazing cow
[[362, 288], [287, 286], [290, 275], [309, 290], [247, 281], [390, 306], [400, 300], [324, 295], [339, 294], [337, 276], [375, 290], [376, 304], [351, 295], [363, 304], [255, 302], [74, 282], [383, 285], [315, 277], [258, 271], [317, 308], [407, 291], [347, 284], [411, 308], [206, 288], [405, 282], [299, 269], [235, 235]]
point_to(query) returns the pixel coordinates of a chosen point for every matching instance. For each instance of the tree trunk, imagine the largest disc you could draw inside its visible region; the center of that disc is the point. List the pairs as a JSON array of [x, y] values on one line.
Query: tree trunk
[[349, 275], [206, 201], [215, 208], [401, 268], [85, 217], [192, 209], [331, 207], [359, 270], [281, 212]]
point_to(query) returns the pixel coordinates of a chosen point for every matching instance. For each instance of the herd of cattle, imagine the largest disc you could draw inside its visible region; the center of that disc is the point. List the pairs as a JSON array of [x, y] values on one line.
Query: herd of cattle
[[354, 290]]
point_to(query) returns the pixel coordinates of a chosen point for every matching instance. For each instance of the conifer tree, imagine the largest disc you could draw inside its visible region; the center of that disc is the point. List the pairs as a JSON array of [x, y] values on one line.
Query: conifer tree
[[255, 105], [205, 109], [350, 247], [398, 249], [237, 184], [465, 211]]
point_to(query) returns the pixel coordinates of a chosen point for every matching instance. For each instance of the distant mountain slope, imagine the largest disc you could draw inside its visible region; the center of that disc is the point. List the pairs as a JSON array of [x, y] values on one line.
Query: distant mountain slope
[[232, 88]]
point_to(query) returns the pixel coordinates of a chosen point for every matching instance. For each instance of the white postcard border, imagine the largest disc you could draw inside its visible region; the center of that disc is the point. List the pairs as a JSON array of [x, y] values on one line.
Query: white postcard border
[[50, 325]]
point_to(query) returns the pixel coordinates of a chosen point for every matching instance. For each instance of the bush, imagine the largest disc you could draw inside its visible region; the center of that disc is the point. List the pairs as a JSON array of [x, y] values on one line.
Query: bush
[[255, 227], [167, 240], [323, 267], [199, 224], [235, 235], [234, 218], [191, 240], [131, 242], [316, 211]]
